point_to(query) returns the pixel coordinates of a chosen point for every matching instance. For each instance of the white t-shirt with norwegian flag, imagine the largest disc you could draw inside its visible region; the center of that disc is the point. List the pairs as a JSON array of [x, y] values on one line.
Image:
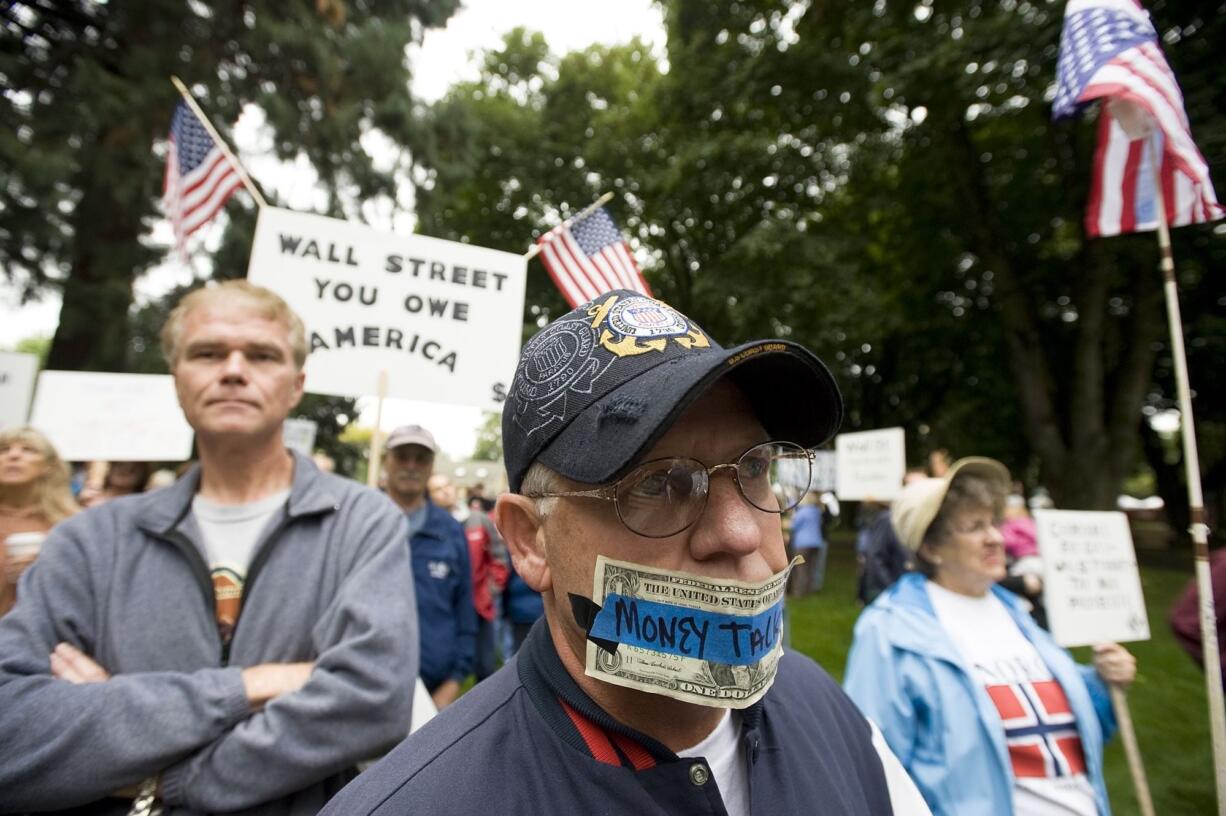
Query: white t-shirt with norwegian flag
[[1045, 750]]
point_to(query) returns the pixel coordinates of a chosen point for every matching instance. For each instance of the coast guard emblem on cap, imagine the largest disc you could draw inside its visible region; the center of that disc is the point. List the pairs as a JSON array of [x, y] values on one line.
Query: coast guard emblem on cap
[[635, 318], [559, 360], [569, 355]]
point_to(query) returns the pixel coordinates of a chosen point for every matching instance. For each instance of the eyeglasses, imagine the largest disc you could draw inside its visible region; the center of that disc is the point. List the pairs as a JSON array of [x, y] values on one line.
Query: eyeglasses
[[662, 497]]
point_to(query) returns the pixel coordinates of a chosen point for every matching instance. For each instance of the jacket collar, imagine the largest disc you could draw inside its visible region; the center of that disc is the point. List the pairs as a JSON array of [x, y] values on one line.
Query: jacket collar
[[915, 618], [436, 523], [578, 720], [310, 493]]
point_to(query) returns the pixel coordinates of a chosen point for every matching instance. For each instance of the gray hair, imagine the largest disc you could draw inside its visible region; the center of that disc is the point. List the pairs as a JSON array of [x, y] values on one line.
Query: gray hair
[[541, 479]]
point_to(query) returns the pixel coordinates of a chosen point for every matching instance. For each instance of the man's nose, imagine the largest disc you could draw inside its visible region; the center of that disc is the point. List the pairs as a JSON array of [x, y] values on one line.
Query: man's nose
[[235, 366], [729, 525]]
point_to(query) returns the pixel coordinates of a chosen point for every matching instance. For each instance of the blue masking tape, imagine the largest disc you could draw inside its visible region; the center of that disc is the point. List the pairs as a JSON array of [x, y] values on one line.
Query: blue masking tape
[[738, 640]]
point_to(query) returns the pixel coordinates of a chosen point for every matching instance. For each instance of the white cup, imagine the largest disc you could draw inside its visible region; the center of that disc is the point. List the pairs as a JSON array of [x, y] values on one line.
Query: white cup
[[24, 545]]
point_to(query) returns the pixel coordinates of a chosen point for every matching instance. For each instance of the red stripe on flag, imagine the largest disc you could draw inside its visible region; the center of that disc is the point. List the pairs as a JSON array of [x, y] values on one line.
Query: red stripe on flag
[[566, 285], [1128, 188], [1095, 205]]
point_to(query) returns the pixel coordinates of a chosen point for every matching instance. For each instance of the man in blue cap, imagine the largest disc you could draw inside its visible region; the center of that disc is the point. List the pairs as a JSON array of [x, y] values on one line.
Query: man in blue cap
[[643, 461]]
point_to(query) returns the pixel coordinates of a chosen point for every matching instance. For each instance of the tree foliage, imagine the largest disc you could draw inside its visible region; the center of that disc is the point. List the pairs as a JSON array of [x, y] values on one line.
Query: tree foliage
[[880, 181], [87, 105]]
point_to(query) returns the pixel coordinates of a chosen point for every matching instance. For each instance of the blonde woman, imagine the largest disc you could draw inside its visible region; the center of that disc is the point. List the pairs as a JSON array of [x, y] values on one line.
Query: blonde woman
[[34, 497]]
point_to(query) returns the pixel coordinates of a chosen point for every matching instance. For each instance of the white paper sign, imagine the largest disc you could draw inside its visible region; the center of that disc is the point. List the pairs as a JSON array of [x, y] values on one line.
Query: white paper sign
[[870, 464], [115, 417], [299, 434], [825, 471], [821, 471], [1090, 580], [17, 374], [444, 319]]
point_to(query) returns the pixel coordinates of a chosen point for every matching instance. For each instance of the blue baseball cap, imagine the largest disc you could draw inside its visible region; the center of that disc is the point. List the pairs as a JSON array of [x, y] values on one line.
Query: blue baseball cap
[[596, 388]]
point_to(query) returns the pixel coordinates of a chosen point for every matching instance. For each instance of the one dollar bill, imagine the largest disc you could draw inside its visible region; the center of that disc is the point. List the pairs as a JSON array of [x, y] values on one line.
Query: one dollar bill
[[701, 640]]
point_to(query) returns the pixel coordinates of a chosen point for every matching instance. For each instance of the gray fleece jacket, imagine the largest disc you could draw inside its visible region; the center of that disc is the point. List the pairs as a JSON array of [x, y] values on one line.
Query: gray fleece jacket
[[330, 582]]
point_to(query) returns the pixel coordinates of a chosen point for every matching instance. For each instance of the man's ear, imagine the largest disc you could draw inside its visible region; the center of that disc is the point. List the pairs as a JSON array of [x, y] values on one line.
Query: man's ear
[[299, 388], [522, 528]]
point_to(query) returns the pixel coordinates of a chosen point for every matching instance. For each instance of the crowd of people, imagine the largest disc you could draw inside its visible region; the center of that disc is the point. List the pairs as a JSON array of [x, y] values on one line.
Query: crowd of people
[[250, 635]]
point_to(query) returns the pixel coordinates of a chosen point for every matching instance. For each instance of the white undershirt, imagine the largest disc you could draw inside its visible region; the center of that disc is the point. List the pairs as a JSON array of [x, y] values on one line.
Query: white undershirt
[[725, 754], [1040, 730], [230, 533]]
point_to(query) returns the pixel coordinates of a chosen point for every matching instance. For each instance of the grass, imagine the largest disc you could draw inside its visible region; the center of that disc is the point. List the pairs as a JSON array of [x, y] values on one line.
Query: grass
[[1167, 701]]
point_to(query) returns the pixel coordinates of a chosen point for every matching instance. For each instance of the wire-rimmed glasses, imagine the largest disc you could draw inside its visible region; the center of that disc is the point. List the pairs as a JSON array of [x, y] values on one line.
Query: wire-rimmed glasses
[[662, 497]]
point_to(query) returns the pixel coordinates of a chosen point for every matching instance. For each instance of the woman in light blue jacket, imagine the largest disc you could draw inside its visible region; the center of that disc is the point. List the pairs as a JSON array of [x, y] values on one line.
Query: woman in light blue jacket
[[985, 711]]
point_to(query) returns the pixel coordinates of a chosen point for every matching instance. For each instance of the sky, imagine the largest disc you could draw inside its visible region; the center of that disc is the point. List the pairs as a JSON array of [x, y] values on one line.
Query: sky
[[445, 57]]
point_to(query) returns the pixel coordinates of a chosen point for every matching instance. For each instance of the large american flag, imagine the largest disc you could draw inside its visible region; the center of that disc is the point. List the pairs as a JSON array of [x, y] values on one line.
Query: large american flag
[[199, 178], [1109, 50], [588, 258]]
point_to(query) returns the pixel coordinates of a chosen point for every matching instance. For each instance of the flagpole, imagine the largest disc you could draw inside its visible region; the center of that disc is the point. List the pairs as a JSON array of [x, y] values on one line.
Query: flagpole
[[221, 143], [376, 437], [1196, 501], [574, 219]]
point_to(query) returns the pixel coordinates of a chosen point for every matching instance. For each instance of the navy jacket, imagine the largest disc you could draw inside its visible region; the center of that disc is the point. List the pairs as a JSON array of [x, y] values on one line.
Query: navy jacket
[[445, 612], [529, 741]]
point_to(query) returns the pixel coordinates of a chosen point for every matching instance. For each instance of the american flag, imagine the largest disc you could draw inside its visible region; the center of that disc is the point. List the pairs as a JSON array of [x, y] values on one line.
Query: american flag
[[588, 258], [199, 178], [1109, 50]]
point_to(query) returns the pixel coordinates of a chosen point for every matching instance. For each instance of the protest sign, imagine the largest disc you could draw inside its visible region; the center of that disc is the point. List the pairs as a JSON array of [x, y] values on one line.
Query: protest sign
[[299, 434], [443, 319], [1091, 585], [821, 471], [825, 471], [116, 417], [870, 464], [17, 374]]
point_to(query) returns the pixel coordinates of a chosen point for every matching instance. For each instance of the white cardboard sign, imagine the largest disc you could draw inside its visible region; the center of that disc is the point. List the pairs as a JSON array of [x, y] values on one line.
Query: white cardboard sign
[[821, 471], [299, 434], [443, 318], [870, 464], [1090, 580], [114, 417], [17, 374], [825, 471]]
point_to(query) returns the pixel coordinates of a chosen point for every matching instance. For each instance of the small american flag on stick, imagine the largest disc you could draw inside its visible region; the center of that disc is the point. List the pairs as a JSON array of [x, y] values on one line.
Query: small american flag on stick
[[199, 177], [588, 258]]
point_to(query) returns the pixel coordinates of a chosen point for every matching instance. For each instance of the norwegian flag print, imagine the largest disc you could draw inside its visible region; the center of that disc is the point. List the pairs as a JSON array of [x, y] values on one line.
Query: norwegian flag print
[[1040, 729]]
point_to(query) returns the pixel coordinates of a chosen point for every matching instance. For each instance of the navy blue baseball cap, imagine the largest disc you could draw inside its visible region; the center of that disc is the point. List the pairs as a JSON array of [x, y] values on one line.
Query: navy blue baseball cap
[[596, 388]]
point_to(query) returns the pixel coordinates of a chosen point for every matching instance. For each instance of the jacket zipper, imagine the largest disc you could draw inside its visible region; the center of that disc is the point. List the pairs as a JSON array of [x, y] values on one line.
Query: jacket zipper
[[262, 554], [201, 570]]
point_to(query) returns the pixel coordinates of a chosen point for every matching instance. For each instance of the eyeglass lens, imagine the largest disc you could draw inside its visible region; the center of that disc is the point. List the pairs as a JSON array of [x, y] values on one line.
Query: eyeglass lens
[[664, 497]]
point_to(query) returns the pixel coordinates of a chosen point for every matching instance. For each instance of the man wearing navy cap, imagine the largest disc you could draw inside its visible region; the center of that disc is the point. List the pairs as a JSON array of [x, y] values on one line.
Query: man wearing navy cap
[[442, 579], [648, 469]]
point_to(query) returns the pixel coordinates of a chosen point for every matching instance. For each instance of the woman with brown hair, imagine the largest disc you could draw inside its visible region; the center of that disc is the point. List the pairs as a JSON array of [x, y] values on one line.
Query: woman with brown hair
[[34, 497]]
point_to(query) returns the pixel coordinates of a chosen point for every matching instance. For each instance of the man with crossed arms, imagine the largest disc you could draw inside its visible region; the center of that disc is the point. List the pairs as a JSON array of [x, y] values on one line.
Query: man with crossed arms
[[237, 641]]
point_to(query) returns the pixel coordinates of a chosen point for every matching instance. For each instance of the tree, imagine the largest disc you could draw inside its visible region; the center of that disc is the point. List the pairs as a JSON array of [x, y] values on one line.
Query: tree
[[878, 181], [88, 103], [488, 447]]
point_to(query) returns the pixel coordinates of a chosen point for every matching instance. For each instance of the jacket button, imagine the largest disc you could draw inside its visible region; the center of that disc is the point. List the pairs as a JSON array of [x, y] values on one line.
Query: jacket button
[[699, 774]]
